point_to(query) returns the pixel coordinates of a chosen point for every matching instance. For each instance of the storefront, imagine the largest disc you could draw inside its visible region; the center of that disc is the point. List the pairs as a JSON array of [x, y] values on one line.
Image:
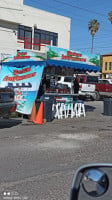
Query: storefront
[[25, 71]]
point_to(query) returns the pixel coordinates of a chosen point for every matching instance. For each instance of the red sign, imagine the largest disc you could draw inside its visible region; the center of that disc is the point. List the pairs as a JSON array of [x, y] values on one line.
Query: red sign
[[21, 55], [73, 56], [19, 78], [16, 72]]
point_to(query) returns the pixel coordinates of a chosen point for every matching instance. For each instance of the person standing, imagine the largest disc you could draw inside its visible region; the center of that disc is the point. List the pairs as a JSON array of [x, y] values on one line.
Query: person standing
[[76, 86]]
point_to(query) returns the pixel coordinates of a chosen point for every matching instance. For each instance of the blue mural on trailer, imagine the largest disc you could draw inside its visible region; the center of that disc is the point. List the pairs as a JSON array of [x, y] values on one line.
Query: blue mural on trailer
[[24, 76], [25, 84]]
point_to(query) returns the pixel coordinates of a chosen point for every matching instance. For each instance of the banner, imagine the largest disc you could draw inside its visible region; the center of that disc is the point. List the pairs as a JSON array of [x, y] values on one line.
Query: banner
[[73, 56], [25, 81]]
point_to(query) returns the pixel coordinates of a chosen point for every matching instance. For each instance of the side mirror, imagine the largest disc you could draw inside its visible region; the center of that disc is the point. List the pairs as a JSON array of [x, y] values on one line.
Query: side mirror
[[92, 181]]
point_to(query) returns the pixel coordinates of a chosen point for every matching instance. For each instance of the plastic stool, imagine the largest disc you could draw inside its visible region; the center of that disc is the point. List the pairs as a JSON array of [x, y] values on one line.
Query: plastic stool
[[55, 109], [81, 110], [76, 110], [70, 110], [62, 111], [59, 109]]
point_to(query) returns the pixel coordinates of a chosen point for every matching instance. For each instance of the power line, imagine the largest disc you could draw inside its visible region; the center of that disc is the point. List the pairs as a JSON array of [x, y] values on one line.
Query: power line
[[87, 10], [80, 8], [73, 19], [82, 20]]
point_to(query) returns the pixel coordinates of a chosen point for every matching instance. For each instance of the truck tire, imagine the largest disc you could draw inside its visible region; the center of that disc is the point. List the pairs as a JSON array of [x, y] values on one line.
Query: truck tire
[[97, 96]]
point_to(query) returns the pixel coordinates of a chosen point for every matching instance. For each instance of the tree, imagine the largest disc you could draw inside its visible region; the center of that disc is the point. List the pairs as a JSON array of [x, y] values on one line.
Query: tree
[[110, 16], [93, 27]]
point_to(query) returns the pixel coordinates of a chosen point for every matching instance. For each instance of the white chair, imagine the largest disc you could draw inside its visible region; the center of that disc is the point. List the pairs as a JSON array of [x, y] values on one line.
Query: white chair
[[62, 111], [78, 109], [56, 110], [70, 109], [81, 110], [59, 110]]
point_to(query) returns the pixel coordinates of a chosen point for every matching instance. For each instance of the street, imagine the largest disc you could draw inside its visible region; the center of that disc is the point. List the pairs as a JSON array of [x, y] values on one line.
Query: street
[[37, 162]]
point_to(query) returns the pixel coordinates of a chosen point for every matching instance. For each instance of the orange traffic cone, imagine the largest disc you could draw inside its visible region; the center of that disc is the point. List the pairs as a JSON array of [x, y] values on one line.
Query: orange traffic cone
[[39, 116], [33, 113]]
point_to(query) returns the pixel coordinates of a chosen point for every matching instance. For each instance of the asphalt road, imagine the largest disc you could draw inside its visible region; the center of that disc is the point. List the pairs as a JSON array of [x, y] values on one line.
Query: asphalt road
[[37, 162]]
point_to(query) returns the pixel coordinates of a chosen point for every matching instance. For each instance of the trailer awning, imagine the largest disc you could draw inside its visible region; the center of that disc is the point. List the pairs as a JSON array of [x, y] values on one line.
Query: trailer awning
[[74, 65], [56, 63]]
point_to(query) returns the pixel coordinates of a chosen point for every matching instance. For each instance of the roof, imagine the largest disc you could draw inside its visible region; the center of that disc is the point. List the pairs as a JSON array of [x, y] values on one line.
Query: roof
[[108, 54], [74, 65]]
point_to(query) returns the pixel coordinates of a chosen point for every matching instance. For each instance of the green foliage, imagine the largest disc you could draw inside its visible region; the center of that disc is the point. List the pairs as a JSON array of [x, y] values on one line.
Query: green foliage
[[51, 54], [41, 57], [110, 16], [95, 60], [93, 26]]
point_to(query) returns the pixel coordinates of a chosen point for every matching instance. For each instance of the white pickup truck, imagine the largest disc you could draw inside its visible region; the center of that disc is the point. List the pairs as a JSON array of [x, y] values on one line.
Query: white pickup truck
[[87, 85], [86, 89]]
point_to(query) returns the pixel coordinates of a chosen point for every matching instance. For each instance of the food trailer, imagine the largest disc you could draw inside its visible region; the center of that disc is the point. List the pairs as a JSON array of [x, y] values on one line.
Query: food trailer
[[24, 72]]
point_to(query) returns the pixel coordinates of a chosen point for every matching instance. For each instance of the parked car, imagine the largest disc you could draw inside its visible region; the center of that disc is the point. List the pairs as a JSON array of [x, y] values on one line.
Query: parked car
[[7, 103], [103, 88], [86, 84], [93, 86], [109, 81], [66, 80]]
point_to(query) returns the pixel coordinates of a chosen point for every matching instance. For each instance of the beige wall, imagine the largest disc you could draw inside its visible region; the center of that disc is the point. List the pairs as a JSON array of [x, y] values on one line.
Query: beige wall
[[106, 59]]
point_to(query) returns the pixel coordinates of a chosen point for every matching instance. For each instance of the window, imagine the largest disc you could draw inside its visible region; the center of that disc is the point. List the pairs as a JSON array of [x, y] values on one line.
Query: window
[[45, 37], [105, 65], [36, 43], [110, 65], [68, 79], [106, 82], [92, 79], [25, 34], [40, 37], [102, 81], [81, 79]]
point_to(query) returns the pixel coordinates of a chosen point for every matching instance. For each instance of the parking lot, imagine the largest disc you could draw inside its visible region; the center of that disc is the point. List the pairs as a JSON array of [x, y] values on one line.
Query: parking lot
[[38, 161]]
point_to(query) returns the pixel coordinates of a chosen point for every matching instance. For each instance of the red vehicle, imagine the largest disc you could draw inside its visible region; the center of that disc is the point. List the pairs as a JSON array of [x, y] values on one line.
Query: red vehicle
[[90, 86], [103, 88]]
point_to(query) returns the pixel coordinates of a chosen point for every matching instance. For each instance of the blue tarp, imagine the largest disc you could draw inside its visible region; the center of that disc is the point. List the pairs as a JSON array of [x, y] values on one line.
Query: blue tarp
[[20, 64], [74, 65], [56, 63]]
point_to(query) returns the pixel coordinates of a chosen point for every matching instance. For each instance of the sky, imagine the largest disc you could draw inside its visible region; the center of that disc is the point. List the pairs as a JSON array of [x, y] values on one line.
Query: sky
[[81, 12]]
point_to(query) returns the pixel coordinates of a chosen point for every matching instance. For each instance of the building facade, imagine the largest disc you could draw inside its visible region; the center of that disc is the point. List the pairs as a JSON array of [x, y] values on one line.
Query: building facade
[[106, 65], [24, 27]]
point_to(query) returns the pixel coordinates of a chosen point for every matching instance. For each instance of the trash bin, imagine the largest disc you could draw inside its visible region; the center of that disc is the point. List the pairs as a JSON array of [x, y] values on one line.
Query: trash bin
[[108, 106], [48, 113], [48, 101]]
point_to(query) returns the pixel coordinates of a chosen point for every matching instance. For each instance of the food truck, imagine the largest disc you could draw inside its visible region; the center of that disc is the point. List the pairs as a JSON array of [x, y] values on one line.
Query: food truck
[[24, 72]]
